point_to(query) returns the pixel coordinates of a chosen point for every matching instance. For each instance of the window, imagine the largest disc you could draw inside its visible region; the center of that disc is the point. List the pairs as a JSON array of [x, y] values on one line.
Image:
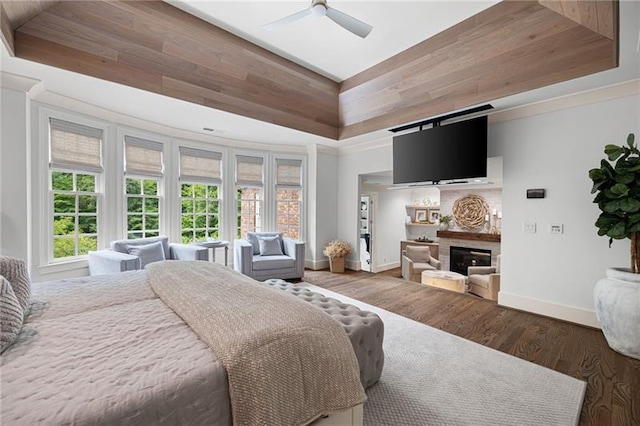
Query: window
[[144, 171], [75, 170], [143, 208], [249, 196], [289, 197], [200, 181]]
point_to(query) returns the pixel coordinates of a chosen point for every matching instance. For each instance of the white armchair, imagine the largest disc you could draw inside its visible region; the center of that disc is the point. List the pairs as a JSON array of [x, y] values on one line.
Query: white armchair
[[417, 259], [485, 280], [266, 255], [130, 255]]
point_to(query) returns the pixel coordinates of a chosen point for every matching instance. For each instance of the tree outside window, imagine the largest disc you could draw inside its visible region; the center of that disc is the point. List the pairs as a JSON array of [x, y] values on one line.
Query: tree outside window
[[143, 207], [200, 217], [75, 213]]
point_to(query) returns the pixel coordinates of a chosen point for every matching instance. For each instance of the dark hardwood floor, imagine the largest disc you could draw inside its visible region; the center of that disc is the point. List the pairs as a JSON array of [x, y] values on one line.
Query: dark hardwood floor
[[613, 380]]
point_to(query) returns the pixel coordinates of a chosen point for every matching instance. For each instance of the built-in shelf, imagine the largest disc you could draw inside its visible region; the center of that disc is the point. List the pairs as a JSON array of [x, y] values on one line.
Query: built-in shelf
[[474, 236]]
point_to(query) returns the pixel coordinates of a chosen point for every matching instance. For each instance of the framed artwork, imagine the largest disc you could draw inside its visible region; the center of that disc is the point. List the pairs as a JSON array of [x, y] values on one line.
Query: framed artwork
[[435, 216], [421, 215]]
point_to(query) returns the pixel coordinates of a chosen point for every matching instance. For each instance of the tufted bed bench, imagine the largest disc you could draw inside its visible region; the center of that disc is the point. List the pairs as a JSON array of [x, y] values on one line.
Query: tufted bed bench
[[365, 329]]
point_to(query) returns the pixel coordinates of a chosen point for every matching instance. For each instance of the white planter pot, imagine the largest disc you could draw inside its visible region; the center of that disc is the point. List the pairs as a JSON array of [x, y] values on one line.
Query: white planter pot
[[444, 226], [617, 303]]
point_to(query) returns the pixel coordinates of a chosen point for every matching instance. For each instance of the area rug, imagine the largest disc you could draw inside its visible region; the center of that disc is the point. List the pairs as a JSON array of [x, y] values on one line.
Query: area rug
[[432, 377]]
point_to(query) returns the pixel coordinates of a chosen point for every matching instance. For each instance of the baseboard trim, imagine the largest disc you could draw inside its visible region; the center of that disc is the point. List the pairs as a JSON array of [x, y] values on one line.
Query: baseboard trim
[[387, 266], [316, 265], [554, 310], [354, 265]]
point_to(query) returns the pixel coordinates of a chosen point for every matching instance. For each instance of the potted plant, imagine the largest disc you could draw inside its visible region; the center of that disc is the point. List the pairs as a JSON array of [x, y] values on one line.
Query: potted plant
[[445, 220], [337, 251], [616, 184]]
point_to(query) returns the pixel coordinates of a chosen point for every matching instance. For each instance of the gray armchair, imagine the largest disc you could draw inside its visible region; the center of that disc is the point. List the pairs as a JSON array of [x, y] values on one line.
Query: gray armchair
[[416, 259], [130, 255], [266, 255], [485, 280]]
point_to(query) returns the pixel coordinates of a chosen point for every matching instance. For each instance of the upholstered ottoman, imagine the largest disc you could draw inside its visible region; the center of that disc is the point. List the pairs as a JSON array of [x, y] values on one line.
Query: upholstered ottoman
[[445, 279], [365, 329]]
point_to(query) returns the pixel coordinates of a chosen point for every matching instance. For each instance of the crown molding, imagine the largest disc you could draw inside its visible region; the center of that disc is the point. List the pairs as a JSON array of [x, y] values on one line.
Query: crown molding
[[601, 94], [18, 82]]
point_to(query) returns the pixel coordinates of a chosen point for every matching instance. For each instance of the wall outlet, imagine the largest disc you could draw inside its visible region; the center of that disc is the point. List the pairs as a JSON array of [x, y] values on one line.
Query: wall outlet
[[529, 227], [556, 229]]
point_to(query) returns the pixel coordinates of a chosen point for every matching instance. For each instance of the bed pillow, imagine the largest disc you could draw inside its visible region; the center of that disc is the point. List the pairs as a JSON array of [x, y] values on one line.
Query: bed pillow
[[270, 246], [15, 271], [11, 315], [148, 253]]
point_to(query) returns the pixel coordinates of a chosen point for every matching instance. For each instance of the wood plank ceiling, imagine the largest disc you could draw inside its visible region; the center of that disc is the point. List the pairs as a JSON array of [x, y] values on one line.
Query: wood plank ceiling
[[511, 47]]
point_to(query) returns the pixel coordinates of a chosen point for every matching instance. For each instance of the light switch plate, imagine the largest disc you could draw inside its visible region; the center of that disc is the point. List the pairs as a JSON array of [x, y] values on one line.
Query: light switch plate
[[556, 229], [529, 227]]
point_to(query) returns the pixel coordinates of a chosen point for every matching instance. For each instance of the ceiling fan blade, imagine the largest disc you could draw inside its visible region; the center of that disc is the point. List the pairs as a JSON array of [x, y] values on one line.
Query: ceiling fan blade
[[275, 25], [349, 23]]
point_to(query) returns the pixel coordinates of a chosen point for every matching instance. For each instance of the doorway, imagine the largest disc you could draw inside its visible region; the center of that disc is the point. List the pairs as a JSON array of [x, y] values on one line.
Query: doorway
[[366, 231]]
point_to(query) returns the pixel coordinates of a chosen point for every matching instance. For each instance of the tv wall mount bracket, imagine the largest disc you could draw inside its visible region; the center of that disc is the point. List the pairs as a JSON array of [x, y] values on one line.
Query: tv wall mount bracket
[[435, 121]]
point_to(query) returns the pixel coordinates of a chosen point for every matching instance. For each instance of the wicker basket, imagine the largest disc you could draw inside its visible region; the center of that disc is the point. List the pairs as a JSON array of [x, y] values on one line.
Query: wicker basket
[[337, 264]]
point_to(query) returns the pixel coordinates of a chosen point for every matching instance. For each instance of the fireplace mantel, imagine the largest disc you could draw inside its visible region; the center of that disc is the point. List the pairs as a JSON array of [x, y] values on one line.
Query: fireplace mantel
[[473, 236]]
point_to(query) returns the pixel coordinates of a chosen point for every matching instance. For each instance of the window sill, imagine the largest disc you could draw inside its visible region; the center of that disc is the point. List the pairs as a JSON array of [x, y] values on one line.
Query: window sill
[[65, 266]]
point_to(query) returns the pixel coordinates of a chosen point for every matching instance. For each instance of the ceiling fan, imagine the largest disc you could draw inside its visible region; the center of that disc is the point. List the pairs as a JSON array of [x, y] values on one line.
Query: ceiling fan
[[319, 8]]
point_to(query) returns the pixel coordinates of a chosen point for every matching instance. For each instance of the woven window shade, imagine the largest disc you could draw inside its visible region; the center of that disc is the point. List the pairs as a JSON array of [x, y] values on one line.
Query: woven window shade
[[143, 157], [249, 171], [75, 147], [200, 166], [289, 173]]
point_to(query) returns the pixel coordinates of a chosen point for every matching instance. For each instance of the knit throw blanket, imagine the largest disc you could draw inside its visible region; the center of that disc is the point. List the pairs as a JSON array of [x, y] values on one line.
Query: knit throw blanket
[[287, 362]]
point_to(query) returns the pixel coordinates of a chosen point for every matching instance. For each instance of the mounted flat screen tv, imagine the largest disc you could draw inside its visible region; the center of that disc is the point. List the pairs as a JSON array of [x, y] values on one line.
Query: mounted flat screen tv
[[447, 152]]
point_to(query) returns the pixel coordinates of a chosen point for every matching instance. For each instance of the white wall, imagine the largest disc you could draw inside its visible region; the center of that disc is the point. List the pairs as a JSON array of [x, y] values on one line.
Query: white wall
[[15, 175], [325, 208], [389, 228], [549, 274], [555, 274], [351, 164]]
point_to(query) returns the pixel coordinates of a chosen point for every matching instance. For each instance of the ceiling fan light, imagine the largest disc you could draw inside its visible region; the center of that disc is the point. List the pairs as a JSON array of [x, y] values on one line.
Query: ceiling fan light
[[319, 9]]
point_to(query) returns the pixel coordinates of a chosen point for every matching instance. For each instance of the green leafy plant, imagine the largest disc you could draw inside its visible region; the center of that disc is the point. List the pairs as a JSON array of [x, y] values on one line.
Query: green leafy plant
[[446, 218], [617, 185]]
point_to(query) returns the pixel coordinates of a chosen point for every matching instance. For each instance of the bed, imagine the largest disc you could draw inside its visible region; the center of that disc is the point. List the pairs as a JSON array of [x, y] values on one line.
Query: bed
[[108, 349]]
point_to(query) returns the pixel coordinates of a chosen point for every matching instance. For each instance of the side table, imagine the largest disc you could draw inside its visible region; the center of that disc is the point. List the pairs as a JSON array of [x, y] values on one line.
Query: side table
[[445, 279], [214, 244]]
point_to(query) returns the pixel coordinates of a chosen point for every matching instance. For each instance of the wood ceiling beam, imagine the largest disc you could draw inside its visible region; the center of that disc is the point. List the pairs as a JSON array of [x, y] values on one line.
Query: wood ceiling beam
[[512, 47], [154, 46], [14, 13], [509, 48], [597, 15]]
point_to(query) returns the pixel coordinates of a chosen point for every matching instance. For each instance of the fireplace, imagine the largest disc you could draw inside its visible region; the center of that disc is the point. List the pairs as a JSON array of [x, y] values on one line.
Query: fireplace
[[463, 257]]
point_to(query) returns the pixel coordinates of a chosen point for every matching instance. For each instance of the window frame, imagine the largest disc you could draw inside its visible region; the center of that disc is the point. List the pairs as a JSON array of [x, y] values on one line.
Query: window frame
[[264, 207], [77, 214], [164, 216], [45, 215], [193, 213], [142, 196], [303, 188]]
